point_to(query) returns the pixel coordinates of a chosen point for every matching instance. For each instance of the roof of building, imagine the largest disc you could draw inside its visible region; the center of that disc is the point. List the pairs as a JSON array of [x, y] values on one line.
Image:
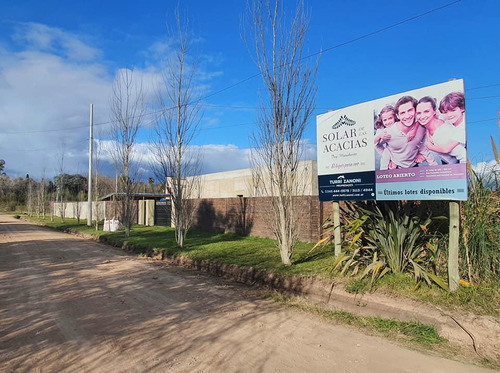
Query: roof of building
[[136, 196]]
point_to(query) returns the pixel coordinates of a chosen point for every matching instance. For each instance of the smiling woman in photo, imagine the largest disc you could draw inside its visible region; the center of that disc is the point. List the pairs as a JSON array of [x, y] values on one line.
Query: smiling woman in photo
[[442, 137]]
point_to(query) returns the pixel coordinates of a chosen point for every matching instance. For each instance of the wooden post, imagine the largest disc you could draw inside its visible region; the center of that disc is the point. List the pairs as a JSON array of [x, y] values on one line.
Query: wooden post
[[336, 231], [453, 276]]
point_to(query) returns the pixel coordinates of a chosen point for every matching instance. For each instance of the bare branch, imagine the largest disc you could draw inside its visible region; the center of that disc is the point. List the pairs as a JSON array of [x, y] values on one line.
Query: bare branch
[[176, 162], [127, 112], [277, 49]]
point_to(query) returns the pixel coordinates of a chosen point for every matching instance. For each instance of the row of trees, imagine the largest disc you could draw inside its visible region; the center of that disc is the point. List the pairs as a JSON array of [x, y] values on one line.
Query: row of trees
[[178, 104], [33, 196], [276, 42]]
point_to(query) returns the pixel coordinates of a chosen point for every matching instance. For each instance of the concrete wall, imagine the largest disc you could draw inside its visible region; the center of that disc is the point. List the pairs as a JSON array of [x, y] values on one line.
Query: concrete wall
[[71, 209], [230, 184], [150, 212], [102, 209], [220, 210], [146, 212]]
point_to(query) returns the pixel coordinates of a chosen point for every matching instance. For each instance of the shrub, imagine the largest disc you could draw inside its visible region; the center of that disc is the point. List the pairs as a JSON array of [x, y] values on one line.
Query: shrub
[[388, 237], [481, 224]]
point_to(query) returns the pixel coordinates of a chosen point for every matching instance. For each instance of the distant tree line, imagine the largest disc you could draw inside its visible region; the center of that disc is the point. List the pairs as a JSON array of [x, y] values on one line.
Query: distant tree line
[[26, 194]]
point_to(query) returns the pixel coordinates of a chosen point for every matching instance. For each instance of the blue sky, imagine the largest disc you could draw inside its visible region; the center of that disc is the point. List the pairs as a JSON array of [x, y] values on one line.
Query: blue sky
[[58, 57]]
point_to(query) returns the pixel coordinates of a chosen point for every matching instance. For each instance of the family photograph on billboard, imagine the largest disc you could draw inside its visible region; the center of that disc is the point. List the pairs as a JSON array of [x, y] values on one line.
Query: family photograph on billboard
[[414, 132]]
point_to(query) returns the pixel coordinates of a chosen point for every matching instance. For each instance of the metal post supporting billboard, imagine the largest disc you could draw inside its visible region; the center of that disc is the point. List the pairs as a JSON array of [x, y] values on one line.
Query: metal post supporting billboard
[[453, 276]]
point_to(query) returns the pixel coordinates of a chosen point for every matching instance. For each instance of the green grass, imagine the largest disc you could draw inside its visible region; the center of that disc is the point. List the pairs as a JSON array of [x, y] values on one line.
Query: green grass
[[481, 299], [261, 253], [256, 252], [412, 334], [407, 331]]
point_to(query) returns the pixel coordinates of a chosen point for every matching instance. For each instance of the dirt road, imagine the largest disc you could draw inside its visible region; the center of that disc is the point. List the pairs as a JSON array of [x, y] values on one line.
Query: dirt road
[[71, 305]]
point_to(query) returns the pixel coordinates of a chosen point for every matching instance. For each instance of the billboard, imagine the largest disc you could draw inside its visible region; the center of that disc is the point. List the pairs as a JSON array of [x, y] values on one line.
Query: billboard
[[408, 146]]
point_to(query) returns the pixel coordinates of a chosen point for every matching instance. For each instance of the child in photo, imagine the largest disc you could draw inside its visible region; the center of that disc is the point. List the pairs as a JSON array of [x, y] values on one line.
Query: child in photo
[[452, 108], [386, 118]]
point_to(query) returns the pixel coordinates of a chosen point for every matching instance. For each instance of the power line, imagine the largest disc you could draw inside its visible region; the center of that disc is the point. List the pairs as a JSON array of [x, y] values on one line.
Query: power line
[[481, 120], [385, 28], [25, 150], [217, 128], [44, 131], [259, 73], [482, 98], [345, 43], [250, 123], [228, 126], [86, 126], [484, 86], [320, 52]]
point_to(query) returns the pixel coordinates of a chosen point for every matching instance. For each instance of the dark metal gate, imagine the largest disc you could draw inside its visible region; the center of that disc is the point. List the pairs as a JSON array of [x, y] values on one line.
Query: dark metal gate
[[163, 213]]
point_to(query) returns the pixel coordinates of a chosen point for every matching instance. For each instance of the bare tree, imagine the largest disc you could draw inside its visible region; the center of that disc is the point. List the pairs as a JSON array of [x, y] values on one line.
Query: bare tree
[[60, 183], [97, 209], [78, 201], [276, 42], [127, 112], [42, 197], [176, 162], [31, 191]]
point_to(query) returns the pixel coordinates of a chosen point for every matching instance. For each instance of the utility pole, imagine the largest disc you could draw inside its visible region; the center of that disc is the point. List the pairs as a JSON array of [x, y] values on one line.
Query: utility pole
[[91, 140]]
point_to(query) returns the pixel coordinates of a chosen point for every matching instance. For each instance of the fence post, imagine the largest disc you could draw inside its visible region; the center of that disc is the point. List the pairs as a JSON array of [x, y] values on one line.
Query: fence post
[[336, 231], [453, 276]]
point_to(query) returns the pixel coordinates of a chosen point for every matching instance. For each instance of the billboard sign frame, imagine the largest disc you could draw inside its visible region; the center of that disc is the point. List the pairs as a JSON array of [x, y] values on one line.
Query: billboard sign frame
[[407, 146]]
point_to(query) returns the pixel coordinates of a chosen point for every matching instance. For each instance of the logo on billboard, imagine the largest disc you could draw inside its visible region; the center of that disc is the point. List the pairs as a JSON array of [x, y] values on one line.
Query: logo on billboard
[[343, 121]]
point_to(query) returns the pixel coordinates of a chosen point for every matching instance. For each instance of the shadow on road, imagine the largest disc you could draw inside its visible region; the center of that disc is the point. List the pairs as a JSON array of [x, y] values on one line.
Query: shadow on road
[[68, 303]]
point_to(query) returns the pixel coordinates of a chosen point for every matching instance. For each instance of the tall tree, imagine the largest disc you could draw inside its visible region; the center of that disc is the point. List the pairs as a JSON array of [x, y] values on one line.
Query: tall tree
[[127, 111], [176, 163], [276, 41], [60, 183], [42, 197], [98, 184]]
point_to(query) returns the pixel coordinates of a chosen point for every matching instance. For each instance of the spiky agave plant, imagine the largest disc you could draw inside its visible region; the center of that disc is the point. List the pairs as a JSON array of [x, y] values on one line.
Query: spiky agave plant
[[388, 237]]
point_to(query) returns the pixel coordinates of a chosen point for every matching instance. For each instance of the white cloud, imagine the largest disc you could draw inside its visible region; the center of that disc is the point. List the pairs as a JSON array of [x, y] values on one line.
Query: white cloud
[[44, 101], [217, 158], [484, 168], [214, 158], [48, 78], [53, 40]]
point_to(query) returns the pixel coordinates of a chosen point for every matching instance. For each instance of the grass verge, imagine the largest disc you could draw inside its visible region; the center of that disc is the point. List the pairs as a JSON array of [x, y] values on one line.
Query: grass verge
[[411, 334], [414, 332]]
